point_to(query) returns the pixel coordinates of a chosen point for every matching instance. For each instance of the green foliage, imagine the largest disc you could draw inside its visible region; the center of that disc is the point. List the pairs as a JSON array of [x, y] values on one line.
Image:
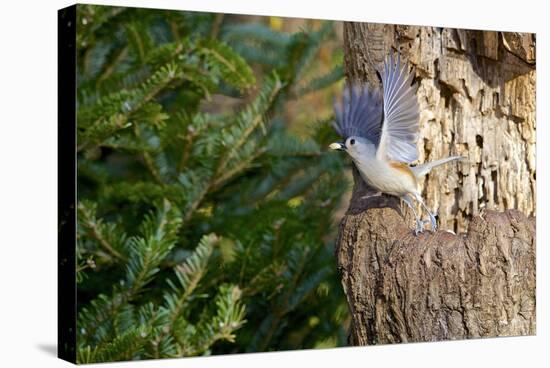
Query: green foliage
[[203, 222]]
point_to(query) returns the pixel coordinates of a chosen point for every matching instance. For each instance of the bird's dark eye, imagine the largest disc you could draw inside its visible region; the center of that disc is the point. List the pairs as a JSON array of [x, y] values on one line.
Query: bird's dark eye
[[352, 142]]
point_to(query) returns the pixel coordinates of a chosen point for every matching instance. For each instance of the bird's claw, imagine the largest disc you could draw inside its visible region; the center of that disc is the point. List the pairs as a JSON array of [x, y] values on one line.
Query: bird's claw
[[419, 227], [421, 223], [432, 222]]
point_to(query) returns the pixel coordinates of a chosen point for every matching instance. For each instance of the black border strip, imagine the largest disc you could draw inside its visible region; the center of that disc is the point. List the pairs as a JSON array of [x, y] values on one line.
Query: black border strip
[[66, 186]]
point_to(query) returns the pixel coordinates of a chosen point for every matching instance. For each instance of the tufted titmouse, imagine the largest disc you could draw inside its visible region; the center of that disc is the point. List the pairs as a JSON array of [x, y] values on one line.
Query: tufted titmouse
[[381, 137]]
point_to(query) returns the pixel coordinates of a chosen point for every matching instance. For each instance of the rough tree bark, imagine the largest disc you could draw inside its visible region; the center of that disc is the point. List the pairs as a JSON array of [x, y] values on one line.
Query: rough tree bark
[[477, 99]]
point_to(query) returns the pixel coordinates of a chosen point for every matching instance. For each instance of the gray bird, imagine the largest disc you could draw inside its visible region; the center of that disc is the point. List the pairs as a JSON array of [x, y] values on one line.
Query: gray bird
[[380, 135]]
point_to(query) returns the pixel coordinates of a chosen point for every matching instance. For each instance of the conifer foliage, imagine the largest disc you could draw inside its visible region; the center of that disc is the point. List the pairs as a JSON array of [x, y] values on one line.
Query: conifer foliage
[[201, 230]]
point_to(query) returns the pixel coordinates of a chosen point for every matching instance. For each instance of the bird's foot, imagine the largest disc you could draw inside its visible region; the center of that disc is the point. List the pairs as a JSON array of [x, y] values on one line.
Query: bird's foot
[[419, 227]]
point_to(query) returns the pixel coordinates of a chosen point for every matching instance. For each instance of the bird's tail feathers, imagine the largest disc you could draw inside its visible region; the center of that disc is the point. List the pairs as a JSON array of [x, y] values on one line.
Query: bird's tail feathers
[[423, 169]]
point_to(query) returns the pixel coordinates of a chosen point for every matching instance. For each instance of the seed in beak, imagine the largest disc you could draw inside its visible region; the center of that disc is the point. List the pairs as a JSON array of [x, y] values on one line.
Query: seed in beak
[[337, 146]]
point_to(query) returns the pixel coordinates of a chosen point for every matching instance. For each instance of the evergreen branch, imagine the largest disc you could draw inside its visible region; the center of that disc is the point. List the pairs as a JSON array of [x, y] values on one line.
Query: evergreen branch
[[302, 49], [139, 40], [283, 144], [82, 263], [231, 66], [197, 127], [142, 140], [159, 234], [187, 146], [97, 236], [316, 84], [282, 307], [229, 317], [174, 29], [96, 229], [262, 279], [189, 275], [230, 313], [110, 67], [102, 128], [95, 320], [306, 287], [88, 263], [142, 192], [255, 36], [127, 144], [85, 355], [154, 85], [190, 209], [216, 25], [149, 162], [120, 106], [123, 347], [303, 182], [90, 19], [236, 169], [234, 137], [157, 320], [249, 119], [171, 52], [257, 43]]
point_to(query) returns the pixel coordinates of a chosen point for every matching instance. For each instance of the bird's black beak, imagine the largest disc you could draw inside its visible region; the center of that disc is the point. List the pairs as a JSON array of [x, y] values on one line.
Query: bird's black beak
[[338, 146]]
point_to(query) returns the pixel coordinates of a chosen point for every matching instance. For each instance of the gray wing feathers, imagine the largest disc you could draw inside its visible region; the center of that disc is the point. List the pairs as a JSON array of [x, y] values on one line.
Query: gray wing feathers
[[359, 113], [401, 114]]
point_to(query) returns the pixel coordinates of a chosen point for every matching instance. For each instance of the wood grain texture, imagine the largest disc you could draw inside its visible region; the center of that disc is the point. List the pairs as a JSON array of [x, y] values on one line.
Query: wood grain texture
[[477, 99], [403, 288]]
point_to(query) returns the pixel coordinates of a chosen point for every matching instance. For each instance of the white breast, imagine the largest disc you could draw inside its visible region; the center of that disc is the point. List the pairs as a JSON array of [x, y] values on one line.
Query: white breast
[[384, 178]]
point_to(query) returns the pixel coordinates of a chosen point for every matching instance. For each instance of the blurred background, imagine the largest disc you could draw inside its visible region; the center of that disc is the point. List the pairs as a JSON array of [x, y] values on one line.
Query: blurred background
[[207, 201]]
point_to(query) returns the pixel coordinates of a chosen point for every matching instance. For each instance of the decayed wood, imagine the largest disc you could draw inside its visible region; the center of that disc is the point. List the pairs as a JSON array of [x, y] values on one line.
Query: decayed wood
[[403, 288], [477, 99]]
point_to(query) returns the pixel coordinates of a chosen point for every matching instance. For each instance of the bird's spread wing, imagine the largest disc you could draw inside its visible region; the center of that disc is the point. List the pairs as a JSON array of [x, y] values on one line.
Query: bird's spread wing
[[400, 128], [359, 113]]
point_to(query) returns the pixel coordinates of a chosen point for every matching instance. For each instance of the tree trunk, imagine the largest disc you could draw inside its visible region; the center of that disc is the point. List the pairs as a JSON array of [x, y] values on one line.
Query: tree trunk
[[477, 99]]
